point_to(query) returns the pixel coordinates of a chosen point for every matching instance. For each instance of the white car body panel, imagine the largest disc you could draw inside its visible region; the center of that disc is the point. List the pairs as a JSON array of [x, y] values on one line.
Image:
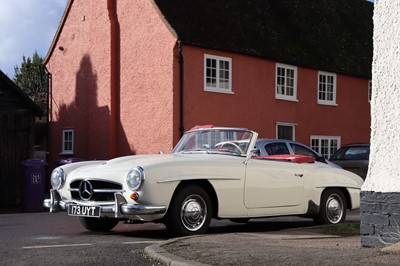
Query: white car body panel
[[244, 186], [274, 193]]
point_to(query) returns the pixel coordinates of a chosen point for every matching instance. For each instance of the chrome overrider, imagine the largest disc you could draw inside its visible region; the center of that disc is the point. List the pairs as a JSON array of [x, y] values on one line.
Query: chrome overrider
[[119, 208]]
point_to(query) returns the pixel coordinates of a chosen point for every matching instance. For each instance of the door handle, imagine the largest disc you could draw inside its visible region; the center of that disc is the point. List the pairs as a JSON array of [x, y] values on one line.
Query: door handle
[[299, 175]]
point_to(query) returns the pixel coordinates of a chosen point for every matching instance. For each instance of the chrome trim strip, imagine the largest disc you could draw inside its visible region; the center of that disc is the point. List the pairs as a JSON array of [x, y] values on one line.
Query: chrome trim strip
[[119, 200], [99, 190], [136, 209], [119, 208], [54, 203], [108, 190], [92, 203]]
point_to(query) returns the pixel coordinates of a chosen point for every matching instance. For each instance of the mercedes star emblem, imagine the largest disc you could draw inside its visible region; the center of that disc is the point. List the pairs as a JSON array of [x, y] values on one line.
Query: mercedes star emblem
[[85, 190]]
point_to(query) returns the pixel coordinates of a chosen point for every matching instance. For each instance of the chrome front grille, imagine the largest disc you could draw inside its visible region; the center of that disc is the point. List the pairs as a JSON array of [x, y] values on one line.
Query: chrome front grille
[[94, 190]]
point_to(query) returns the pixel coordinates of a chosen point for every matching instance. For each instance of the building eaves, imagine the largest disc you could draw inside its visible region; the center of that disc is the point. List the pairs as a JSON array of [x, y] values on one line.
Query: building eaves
[[327, 35], [10, 89]]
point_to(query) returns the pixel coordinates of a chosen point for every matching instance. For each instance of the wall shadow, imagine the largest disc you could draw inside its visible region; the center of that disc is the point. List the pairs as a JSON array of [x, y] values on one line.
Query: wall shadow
[[89, 120]]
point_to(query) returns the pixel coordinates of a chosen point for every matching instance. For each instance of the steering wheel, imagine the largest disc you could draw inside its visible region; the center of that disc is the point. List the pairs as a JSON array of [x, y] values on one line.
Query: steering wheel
[[231, 143]]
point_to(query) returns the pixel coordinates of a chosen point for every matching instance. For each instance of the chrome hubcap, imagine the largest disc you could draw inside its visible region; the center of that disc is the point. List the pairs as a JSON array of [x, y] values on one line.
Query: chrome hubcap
[[193, 212], [334, 208]]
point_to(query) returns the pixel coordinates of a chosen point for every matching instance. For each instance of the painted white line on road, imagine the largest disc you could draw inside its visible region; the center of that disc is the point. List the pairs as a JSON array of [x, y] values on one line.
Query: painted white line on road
[[141, 242], [48, 237], [56, 246]]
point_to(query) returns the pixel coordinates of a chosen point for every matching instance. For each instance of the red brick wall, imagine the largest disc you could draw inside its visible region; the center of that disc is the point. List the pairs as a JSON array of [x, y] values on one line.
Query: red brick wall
[[253, 104]]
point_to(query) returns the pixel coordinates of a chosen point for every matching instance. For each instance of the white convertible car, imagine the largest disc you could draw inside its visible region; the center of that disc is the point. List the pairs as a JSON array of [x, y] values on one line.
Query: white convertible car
[[213, 172]]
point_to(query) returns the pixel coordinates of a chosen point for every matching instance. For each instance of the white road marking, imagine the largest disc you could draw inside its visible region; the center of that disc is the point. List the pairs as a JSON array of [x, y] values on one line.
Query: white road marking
[[56, 246], [141, 242], [87, 244], [48, 237]]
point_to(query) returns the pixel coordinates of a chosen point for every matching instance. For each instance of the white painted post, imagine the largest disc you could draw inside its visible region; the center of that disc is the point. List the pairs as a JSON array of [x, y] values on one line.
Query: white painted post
[[380, 196]]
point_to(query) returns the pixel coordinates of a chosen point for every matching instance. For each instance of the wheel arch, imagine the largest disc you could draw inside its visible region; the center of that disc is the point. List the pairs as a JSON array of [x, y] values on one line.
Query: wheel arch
[[206, 185], [345, 193]]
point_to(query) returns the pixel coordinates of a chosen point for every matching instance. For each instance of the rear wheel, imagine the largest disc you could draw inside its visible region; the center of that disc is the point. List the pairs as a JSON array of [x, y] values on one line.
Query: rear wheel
[[333, 207], [98, 224], [190, 212]]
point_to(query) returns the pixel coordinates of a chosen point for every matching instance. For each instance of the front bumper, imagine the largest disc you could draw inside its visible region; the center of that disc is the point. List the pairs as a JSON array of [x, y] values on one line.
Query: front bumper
[[117, 209]]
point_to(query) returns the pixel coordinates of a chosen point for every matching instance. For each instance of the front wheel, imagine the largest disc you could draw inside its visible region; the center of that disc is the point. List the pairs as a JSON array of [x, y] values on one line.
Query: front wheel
[[190, 212], [98, 224], [333, 207]]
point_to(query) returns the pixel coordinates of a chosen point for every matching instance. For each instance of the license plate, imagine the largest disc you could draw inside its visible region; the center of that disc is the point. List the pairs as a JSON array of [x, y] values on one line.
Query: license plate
[[87, 211]]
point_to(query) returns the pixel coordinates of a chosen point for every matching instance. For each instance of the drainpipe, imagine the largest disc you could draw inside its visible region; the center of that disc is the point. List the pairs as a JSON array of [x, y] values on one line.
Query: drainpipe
[[49, 83], [49, 92], [181, 86], [114, 77]]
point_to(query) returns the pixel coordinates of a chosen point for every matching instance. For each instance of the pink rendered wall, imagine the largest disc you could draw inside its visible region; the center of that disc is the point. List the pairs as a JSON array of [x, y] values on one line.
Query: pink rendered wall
[[148, 51], [80, 82], [253, 104], [80, 93]]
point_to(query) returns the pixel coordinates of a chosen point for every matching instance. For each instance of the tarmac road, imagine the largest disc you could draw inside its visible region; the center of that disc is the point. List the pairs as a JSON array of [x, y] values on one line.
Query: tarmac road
[[304, 245], [296, 248]]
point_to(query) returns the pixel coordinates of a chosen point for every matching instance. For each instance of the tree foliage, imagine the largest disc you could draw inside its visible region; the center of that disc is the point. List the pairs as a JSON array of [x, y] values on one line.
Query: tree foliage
[[31, 77]]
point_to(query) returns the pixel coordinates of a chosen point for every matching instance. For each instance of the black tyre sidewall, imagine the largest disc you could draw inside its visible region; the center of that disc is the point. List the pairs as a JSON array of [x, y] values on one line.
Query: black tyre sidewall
[[322, 216], [173, 221]]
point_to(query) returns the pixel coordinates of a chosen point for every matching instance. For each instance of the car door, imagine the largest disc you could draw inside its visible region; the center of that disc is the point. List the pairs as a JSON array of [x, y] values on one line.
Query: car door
[[272, 183]]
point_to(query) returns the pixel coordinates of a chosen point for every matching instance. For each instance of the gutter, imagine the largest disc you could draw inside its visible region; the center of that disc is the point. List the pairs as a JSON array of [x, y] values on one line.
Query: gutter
[[114, 77], [181, 86], [49, 91]]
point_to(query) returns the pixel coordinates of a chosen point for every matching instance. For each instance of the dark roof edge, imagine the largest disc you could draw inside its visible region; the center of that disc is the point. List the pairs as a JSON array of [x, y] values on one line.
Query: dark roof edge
[[279, 61], [164, 20], [32, 105]]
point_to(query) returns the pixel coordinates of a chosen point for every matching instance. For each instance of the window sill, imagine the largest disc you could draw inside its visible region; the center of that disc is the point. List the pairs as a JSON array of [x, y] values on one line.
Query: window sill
[[328, 104], [67, 153], [286, 99], [219, 91]]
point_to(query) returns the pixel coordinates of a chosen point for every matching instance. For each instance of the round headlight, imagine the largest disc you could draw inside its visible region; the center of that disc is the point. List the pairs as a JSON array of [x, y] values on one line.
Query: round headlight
[[135, 178], [57, 178]]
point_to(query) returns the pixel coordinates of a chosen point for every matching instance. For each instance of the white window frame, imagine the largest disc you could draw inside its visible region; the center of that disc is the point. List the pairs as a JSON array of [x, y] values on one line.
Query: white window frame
[[67, 143], [325, 101], [292, 125], [218, 88], [285, 86], [330, 149]]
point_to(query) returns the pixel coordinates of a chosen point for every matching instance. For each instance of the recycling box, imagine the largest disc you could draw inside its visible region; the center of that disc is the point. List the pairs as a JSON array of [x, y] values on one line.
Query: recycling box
[[34, 185]]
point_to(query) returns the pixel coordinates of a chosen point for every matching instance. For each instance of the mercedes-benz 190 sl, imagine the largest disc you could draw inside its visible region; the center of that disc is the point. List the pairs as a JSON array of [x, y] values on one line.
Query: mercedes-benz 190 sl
[[213, 172]]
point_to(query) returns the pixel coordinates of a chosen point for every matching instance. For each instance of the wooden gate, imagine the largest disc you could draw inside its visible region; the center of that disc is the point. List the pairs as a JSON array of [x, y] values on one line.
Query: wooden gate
[[16, 143]]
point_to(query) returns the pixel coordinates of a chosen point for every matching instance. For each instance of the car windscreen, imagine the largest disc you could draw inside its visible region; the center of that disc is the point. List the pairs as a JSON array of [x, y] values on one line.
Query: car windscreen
[[352, 153], [215, 140]]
